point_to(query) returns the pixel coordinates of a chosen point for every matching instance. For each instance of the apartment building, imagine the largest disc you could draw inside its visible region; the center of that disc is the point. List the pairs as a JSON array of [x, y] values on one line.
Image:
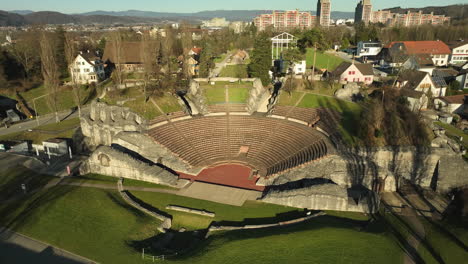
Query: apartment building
[[283, 20], [324, 12], [363, 12]]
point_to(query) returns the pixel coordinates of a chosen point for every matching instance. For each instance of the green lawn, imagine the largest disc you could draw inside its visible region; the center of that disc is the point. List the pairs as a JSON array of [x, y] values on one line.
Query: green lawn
[[65, 98], [350, 114], [134, 99], [323, 60], [235, 71], [220, 58], [316, 101], [93, 223], [443, 243], [11, 180], [215, 95], [251, 209], [322, 240], [287, 99], [99, 225], [64, 129], [238, 94]]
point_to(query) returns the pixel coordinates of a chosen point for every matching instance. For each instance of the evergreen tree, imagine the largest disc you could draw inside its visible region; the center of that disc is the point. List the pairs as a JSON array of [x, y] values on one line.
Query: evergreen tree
[[206, 59], [261, 59]]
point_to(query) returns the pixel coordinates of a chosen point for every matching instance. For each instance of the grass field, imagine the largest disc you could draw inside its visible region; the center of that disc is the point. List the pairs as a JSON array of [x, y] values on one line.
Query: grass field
[[65, 98], [134, 99], [444, 243], [238, 94], [323, 60], [235, 71], [11, 180], [251, 209], [93, 223], [322, 240], [215, 95], [64, 129]]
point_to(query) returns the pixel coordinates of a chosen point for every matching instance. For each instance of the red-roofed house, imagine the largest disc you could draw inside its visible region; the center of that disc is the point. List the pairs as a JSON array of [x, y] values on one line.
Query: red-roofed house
[[438, 50]]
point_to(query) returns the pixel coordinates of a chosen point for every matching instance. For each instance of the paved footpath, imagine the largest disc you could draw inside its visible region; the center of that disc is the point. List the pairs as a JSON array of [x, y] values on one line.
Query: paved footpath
[[16, 248]]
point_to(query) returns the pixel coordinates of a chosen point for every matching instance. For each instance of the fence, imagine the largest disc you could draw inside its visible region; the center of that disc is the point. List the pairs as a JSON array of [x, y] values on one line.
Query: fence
[[155, 258]]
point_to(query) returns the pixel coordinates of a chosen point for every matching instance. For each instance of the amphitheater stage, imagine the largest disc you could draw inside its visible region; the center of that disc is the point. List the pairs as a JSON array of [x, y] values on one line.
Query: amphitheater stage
[[219, 194], [231, 175]]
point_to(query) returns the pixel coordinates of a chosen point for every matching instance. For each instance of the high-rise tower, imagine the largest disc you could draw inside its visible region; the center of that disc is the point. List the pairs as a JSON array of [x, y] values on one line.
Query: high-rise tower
[[363, 12], [324, 12]]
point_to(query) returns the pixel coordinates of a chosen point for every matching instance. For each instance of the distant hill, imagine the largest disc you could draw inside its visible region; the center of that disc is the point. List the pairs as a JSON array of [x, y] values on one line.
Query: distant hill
[[21, 12], [10, 19], [231, 15], [456, 12], [48, 17]]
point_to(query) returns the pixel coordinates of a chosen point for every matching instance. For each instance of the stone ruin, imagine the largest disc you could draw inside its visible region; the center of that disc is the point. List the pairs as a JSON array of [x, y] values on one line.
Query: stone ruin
[[123, 150]]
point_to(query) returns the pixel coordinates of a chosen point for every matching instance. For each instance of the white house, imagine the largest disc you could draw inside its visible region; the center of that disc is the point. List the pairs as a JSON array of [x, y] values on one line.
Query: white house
[[419, 87], [462, 78], [459, 53], [354, 73], [300, 67], [451, 104], [368, 48], [437, 50], [87, 68]]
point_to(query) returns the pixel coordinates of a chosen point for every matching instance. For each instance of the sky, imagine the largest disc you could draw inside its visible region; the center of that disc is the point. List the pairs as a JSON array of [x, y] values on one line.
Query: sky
[[190, 6]]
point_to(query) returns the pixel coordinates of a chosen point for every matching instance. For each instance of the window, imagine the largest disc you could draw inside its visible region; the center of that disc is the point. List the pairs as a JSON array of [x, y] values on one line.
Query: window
[[86, 70], [351, 72]]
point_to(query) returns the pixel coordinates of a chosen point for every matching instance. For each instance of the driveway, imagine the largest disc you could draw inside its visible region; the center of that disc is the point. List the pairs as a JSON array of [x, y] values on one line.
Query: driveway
[[220, 66]]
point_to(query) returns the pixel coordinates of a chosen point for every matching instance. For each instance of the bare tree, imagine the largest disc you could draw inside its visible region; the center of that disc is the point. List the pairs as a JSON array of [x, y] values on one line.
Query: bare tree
[[118, 74], [187, 44], [50, 72], [70, 55], [25, 51], [149, 52]]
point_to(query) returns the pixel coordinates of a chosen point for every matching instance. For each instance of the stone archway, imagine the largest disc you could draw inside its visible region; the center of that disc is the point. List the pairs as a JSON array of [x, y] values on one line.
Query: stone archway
[[104, 160]]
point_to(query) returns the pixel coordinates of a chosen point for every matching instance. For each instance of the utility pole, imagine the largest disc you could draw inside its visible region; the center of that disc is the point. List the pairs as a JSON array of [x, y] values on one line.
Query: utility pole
[[35, 111]]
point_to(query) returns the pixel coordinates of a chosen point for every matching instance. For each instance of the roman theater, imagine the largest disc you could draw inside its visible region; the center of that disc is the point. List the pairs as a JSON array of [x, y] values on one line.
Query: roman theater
[[230, 151]]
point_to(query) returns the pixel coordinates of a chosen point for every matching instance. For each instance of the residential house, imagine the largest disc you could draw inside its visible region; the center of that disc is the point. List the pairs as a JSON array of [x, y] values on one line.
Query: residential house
[[462, 78], [87, 68], [354, 73], [437, 50], [418, 87], [459, 52], [368, 48], [126, 55], [240, 57], [419, 62], [451, 104]]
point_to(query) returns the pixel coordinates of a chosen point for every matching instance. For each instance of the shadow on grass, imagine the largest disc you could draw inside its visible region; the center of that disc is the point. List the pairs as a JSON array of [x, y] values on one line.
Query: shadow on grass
[[219, 239], [19, 213], [147, 206]]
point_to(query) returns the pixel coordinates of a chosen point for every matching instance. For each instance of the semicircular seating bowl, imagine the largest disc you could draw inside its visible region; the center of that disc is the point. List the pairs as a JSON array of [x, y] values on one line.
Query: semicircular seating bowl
[[273, 145]]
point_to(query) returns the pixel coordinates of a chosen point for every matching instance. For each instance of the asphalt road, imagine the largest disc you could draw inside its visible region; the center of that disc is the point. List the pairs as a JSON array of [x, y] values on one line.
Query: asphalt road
[[219, 67], [43, 120]]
